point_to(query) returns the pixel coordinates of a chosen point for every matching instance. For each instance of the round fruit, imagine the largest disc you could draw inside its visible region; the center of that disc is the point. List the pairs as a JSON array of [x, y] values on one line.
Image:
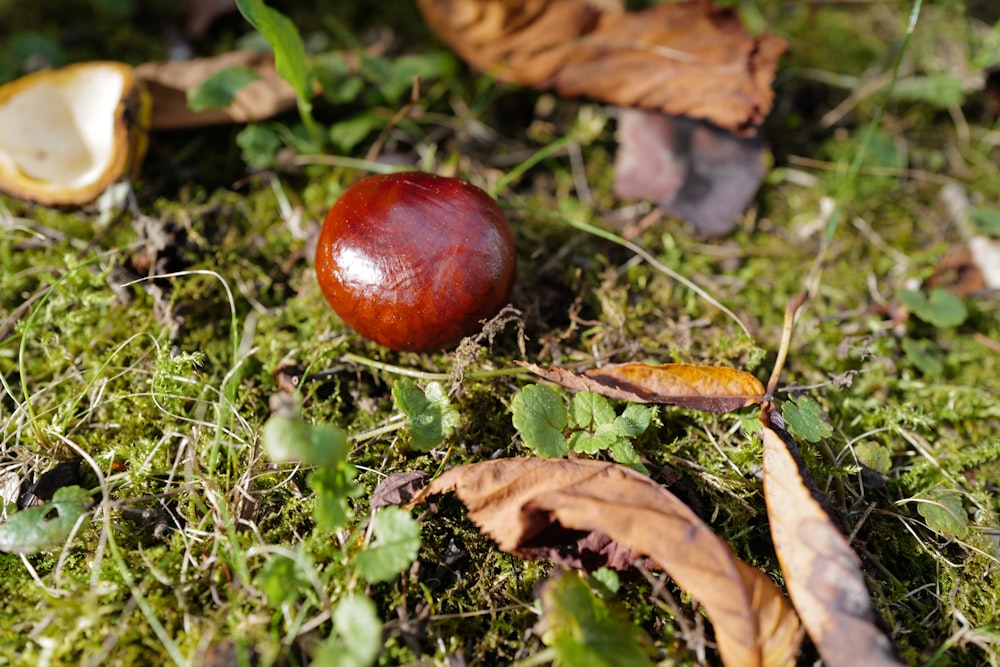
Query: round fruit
[[415, 261]]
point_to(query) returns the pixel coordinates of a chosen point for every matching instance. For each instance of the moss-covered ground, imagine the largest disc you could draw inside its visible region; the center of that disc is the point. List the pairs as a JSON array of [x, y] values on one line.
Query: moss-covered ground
[[165, 384]]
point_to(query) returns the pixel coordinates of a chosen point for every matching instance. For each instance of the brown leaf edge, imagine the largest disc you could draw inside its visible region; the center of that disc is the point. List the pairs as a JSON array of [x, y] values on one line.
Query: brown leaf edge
[[687, 58], [822, 573], [705, 388], [516, 501], [169, 81]]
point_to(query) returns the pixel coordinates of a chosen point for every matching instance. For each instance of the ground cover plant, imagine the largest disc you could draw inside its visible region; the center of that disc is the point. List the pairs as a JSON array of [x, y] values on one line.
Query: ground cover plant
[[200, 464]]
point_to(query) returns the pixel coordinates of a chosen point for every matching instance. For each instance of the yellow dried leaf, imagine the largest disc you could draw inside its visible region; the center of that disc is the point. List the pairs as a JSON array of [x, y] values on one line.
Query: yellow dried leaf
[[706, 388]]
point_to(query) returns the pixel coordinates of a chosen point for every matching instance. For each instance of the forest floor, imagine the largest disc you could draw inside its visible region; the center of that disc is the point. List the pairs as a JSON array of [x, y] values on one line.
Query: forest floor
[[205, 552]]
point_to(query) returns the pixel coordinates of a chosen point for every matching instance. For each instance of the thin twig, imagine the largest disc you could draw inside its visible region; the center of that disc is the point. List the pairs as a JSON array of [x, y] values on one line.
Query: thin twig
[[791, 309]]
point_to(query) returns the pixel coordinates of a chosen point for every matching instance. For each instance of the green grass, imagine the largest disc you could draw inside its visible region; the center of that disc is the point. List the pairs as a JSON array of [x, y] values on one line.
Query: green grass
[[165, 385]]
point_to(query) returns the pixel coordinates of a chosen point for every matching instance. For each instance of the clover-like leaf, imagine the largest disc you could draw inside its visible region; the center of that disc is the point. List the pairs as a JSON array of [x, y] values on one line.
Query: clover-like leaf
[[540, 417], [397, 541], [805, 418], [430, 418], [941, 308], [586, 442], [356, 639], [291, 439], [585, 630], [333, 486], [942, 510], [589, 409], [634, 420], [875, 456]]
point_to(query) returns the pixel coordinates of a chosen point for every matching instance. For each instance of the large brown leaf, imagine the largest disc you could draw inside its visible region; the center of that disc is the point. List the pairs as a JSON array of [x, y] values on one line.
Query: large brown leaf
[[169, 81], [822, 572], [698, 172], [685, 58], [705, 388], [525, 503]]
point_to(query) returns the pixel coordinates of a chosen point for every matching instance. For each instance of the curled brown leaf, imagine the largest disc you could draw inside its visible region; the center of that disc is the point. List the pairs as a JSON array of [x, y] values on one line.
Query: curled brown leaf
[[169, 81], [524, 503], [683, 58], [822, 572]]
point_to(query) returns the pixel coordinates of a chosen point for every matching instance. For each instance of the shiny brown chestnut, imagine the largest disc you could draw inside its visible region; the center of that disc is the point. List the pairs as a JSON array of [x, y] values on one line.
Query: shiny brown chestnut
[[415, 261]]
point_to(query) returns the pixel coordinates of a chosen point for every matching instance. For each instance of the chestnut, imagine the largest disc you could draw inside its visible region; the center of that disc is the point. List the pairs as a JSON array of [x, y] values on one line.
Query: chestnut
[[415, 261]]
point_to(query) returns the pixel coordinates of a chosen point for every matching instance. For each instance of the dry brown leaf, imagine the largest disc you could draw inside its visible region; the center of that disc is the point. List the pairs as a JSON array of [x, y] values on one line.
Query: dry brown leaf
[[705, 388], [525, 503], [684, 59], [693, 170], [169, 81], [969, 268], [822, 572], [397, 488]]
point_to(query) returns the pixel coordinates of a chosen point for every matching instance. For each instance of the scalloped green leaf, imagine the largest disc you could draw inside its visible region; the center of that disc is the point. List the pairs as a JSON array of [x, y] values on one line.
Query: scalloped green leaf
[[291, 439], [46, 526], [586, 631], [588, 409], [540, 417], [356, 638], [430, 418], [943, 511], [397, 541], [805, 418], [941, 308]]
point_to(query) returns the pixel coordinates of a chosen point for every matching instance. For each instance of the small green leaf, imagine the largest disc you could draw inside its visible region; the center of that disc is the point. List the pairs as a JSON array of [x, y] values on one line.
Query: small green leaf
[[923, 355], [606, 582], [986, 218], [291, 439], [259, 145], [333, 486], [430, 417], [805, 418], [623, 452], [220, 89], [540, 417], [874, 455], [750, 425], [356, 638], [634, 421], [46, 526], [942, 510], [281, 580], [943, 309], [397, 541], [940, 90], [289, 50], [586, 631], [402, 71], [347, 134], [339, 81], [588, 409], [586, 442]]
